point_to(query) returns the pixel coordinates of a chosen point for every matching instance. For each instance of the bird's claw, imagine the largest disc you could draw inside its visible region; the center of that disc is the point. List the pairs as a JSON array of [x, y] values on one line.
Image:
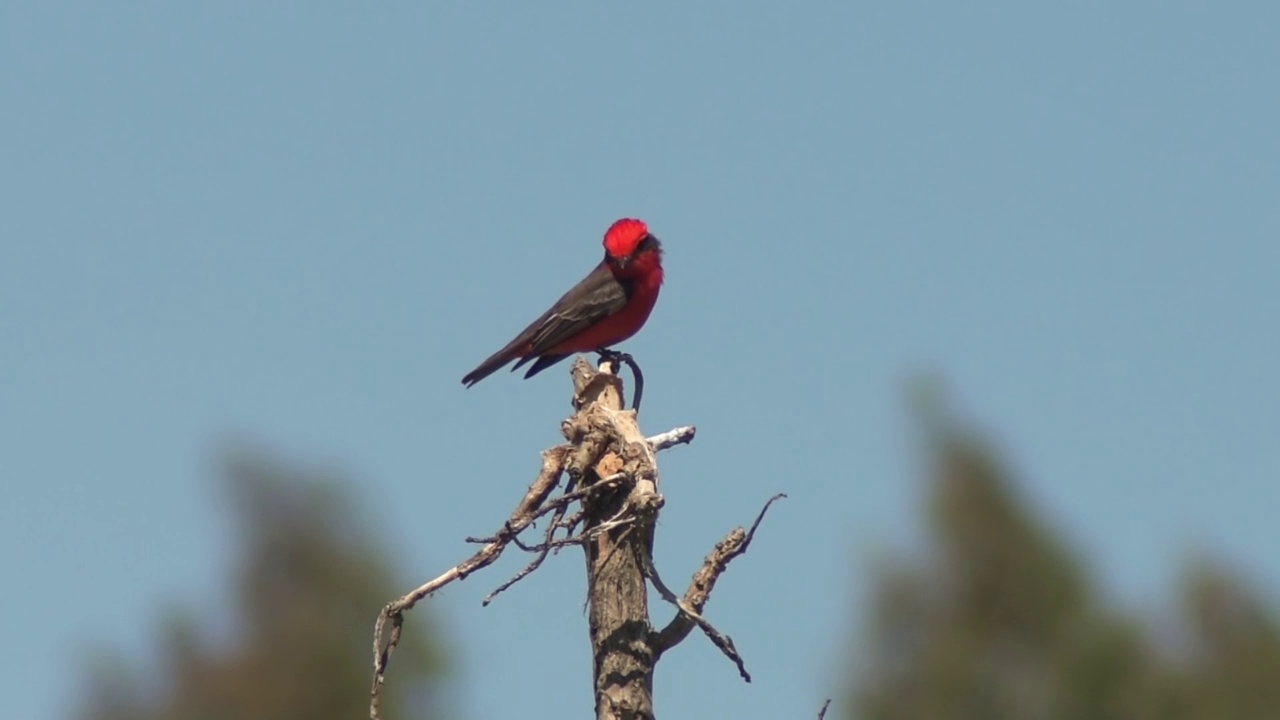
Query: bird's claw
[[614, 357], [617, 360]]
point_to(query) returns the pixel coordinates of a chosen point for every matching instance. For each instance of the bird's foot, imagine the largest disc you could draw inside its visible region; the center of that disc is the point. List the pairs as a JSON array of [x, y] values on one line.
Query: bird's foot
[[614, 357], [617, 360]]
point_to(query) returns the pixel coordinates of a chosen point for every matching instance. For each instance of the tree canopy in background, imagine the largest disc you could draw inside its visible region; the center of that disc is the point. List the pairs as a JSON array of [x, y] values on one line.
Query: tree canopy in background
[[308, 582], [1002, 620]]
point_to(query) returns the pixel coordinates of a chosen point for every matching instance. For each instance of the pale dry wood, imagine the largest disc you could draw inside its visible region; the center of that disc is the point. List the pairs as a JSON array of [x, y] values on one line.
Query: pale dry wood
[[617, 598], [613, 478], [671, 438]]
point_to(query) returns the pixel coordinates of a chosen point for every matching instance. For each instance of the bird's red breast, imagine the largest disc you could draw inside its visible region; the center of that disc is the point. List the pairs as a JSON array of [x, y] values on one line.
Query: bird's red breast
[[644, 277]]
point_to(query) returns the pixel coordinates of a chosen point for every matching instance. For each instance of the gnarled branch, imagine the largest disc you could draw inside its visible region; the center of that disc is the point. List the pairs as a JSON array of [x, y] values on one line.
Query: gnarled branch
[[613, 483]]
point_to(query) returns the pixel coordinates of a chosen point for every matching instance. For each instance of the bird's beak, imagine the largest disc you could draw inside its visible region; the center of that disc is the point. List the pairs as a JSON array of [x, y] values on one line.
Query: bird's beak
[[623, 262]]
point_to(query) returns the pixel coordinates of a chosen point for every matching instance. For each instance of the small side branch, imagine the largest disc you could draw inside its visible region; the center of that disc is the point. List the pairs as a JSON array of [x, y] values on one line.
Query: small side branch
[[553, 462], [719, 639], [672, 438], [704, 581], [560, 505]]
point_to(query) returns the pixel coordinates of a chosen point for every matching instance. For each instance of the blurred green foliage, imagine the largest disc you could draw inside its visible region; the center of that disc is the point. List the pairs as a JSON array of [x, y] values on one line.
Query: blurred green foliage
[[1001, 621], [307, 585]]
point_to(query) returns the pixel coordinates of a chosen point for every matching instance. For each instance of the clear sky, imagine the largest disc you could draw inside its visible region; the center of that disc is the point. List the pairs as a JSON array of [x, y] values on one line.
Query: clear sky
[[303, 222]]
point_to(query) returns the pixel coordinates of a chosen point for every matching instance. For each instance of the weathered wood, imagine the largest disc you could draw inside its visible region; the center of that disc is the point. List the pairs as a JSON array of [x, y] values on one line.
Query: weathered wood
[[613, 479], [617, 597]]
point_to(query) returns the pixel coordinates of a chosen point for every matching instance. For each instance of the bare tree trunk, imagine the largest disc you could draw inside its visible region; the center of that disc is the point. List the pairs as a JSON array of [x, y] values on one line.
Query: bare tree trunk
[[619, 624], [613, 475], [620, 523]]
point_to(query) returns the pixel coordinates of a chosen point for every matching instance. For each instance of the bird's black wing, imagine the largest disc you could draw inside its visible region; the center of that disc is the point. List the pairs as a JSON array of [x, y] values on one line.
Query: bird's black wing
[[594, 298]]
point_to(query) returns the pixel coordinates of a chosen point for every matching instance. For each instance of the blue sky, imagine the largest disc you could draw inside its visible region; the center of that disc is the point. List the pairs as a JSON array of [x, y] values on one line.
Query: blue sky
[[303, 222]]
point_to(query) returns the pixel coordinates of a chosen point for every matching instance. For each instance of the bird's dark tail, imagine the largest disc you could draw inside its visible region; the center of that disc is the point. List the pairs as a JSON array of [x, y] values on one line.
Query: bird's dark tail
[[506, 355], [544, 362], [491, 365]]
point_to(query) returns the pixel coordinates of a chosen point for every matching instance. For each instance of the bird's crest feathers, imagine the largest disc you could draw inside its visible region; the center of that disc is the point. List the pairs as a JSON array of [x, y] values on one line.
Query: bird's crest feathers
[[622, 237]]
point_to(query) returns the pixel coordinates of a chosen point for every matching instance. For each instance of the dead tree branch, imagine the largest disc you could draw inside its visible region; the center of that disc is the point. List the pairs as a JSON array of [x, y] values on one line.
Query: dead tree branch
[[704, 581], [719, 639], [671, 438], [613, 484], [553, 461]]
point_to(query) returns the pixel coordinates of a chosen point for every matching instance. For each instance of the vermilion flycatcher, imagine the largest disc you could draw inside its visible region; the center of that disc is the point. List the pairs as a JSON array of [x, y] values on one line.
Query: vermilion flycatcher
[[608, 306]]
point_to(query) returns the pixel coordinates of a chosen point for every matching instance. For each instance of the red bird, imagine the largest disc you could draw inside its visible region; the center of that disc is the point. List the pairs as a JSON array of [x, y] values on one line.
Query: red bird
[[608, 306]]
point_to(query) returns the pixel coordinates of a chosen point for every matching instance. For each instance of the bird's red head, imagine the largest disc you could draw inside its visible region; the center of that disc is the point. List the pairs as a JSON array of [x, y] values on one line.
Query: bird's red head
[[628, 244], [624, 236]]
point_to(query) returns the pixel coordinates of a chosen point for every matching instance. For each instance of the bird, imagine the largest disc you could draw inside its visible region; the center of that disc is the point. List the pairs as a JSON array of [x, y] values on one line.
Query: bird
[[606, 307]]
